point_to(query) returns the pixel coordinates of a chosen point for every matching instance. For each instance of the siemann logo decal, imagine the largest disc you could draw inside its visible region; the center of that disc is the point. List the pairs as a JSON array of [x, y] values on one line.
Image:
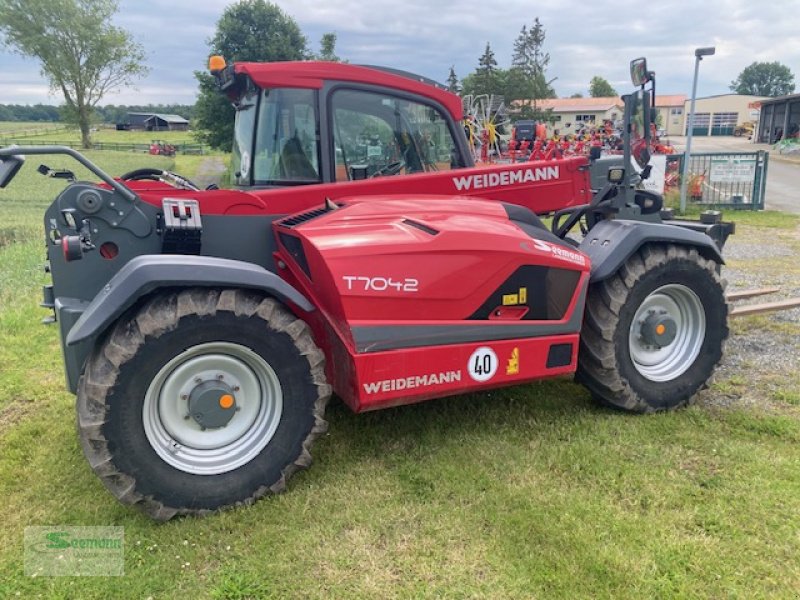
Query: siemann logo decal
[[557, 251], [504, 178]]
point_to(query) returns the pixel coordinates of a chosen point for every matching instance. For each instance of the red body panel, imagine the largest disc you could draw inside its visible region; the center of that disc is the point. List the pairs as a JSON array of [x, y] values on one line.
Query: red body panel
[[404, 376], [432, 264], [541, 186]]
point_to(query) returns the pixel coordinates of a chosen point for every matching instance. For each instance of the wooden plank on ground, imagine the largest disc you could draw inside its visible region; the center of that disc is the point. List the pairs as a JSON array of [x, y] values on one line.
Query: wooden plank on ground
[[742, 294], [754, 309]]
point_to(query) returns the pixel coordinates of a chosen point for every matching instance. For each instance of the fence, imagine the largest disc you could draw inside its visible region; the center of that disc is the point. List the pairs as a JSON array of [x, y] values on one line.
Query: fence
[[36, 131], [119, 147], [733, 180]]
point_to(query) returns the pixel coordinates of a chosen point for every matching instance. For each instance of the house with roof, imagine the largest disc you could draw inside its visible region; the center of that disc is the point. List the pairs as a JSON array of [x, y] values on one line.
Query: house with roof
[[157, 122], [570, 115], [670, 113]]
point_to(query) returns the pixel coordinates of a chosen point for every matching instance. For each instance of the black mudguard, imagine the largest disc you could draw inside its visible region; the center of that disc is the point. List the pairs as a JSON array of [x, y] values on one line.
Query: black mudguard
[[610, 243], [146, 273]]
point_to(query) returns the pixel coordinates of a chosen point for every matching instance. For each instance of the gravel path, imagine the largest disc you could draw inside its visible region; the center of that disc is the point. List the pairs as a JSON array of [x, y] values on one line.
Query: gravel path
[[210, 172], [761, 365]]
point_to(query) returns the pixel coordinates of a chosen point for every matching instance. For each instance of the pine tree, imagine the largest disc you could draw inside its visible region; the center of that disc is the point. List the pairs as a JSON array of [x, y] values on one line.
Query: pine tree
[[521, 58], [486, 73], [452, 81], [531, 62]]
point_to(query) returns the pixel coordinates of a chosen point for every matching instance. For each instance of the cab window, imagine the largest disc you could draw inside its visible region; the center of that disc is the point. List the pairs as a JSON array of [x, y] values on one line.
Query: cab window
[[378, 135], [287, 140]]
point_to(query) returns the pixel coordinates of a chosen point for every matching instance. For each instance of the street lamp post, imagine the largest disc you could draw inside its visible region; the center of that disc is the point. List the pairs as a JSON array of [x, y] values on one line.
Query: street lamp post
[[699, 53]]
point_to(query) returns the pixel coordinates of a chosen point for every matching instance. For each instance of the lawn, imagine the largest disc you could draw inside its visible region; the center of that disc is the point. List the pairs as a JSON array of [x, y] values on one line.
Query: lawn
[[7, 127], [104, 135], [528, 492]]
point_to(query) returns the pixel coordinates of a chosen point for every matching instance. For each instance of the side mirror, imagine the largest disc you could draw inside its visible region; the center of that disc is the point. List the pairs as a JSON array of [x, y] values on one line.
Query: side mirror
[[639, 73], [9, 166]]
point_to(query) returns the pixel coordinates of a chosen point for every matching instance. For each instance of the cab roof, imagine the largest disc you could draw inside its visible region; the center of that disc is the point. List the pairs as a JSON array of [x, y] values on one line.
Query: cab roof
[[312, 74]]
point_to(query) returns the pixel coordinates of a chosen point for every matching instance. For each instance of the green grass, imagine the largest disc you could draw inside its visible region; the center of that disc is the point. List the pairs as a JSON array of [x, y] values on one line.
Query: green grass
[[527, 492], [7, 127], [771, 219], [109, 135]]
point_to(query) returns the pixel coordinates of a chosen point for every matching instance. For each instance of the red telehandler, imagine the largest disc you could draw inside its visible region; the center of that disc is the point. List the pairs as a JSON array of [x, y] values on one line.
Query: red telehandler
[[362, 254]]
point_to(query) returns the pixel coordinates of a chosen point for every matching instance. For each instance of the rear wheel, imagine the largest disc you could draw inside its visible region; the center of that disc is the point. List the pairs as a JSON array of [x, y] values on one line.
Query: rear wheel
[[654, 332], [202, 400]]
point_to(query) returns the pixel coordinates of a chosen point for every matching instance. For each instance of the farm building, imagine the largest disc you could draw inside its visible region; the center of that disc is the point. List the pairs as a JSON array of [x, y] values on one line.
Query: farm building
[[670, 113], [571, 114], [714, 115], [157, 122], [720, 115], [780, 118]]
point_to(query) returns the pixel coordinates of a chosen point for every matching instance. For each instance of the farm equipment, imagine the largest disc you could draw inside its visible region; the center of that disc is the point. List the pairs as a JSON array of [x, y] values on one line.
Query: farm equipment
[[204, 331], [745, 129], [159, 148]]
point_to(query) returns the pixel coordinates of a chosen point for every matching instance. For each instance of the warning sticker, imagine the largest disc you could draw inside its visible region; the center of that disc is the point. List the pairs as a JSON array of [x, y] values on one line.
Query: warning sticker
[[512, 366], [482, 364]]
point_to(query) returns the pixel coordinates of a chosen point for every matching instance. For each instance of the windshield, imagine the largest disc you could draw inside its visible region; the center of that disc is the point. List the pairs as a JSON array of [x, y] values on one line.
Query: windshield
[[243, 137], [286, 150]]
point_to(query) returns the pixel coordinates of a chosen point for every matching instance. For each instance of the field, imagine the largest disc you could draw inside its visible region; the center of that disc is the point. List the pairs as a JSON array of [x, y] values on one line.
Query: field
[[105, 137], [528, 492], [11, 126]]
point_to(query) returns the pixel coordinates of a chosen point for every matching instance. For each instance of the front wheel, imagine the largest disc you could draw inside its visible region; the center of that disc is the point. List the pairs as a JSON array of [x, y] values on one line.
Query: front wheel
[[202, 400], [654, 332]]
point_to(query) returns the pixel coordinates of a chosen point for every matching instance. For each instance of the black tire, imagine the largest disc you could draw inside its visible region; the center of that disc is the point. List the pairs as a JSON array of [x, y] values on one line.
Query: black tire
[[606, 364], [117, 380]]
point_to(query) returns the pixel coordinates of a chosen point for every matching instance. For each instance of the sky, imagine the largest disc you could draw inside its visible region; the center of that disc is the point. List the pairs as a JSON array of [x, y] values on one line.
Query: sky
[[584, 39]]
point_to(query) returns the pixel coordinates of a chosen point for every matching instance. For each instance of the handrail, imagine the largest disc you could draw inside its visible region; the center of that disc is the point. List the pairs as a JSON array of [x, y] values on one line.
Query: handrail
[[120, 188]]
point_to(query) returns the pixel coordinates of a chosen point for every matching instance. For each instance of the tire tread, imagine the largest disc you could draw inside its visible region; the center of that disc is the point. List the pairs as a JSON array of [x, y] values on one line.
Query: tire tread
[[597, 361], [158, 316]]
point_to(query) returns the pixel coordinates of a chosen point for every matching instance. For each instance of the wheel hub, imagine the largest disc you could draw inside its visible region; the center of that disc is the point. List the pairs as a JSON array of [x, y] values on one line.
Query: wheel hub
[[212, 404], [212, 408], [667, 332], [659, 329]]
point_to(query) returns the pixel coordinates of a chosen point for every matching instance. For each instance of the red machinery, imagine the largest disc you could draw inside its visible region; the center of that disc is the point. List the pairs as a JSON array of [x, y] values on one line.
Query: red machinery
[[205, 330]]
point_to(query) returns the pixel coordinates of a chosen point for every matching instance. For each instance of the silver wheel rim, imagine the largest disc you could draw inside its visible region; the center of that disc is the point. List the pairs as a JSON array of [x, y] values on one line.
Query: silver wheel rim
[[683, 306], [180, 441]]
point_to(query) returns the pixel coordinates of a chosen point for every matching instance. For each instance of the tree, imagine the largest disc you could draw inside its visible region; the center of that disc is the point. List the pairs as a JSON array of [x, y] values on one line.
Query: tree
[[250, 30], [531, 61], [764, 79], [82, 55], [486, 80], [577, 95], [452, 81], [514, 85], [327, 48], [600, 88]]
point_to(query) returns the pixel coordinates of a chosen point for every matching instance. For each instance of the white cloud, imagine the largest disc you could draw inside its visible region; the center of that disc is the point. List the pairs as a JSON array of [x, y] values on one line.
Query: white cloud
[[583, 39]]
